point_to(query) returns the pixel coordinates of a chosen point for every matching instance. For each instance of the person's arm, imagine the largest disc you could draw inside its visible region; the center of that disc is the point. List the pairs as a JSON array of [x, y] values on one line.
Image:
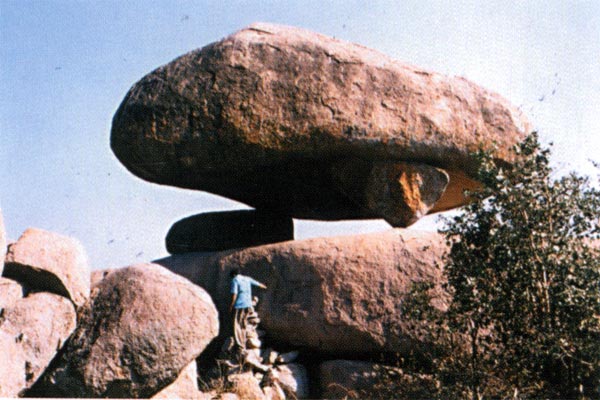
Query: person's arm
[[259, 284]]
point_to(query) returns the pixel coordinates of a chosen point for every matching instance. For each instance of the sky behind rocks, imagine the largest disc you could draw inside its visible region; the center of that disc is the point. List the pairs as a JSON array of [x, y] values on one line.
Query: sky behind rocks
[[65, 66]]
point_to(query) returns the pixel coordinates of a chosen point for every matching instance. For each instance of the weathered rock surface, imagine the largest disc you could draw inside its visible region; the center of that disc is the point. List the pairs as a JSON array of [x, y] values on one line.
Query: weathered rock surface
[[2, 243], [184, 387], [344, 379], [51, 262], [337, 295], [33, 330], [142, 327], [228, 230], [12, 367], [10, 292], [266, 115]]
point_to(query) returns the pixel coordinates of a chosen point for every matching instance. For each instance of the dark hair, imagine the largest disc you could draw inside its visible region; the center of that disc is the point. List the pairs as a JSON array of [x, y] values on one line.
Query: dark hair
[[234, 271]]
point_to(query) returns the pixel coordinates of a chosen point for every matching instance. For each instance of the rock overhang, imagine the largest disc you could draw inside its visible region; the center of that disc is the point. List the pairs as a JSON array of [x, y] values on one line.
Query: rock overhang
[[267, 115]]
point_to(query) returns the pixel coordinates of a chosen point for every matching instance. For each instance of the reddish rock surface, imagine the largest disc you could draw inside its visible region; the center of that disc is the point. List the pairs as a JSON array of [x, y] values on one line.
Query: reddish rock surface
[[51, 262], [10, 292], [34, 329], [336, 295], [228, 230], [263, 116], [141, 328], [184, 387]]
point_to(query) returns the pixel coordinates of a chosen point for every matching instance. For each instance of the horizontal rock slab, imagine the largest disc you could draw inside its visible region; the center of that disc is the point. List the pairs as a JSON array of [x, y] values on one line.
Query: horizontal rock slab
[[335, 295], [34, 329], [141, 328], [51, 262], [225, 230], [263, 116]]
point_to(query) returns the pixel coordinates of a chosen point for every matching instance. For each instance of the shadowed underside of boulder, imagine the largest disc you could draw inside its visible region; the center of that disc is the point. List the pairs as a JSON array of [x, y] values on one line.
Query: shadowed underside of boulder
[[228, 230], [267, 115]]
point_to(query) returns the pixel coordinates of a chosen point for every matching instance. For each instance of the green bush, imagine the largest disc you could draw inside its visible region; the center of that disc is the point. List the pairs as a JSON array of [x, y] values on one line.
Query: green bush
[[524, 278]]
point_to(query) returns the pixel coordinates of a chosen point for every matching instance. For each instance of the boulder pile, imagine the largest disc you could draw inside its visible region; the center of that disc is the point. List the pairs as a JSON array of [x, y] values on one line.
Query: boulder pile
[[296, 125]]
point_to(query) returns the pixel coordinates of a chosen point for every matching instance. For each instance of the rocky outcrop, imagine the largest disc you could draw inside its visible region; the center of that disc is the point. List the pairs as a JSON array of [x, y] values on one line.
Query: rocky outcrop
[[51, 262], [334, 295], [142, 327], [345, 379], [33, 330], [228, 230], [270, 115]]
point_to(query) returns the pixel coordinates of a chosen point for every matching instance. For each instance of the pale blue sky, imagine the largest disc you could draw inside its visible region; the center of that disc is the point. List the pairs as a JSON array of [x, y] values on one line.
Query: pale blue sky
[[66, 65]]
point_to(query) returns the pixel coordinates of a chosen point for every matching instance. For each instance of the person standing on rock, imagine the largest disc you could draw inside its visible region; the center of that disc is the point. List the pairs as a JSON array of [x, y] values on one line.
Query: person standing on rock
[[241, 302]]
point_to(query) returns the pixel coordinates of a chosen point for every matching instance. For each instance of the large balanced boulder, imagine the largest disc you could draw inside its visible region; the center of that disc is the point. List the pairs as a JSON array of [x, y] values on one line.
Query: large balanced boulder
[[51, 262], [141, 328], [339, 295], [2, 243], [228, 230], [32, 330], [305, 125]]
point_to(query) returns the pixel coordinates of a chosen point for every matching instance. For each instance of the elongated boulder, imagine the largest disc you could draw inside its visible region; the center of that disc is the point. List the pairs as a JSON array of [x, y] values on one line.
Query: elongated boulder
[[34, 329], [51, 262], [141, 328], [267, 115], [338, 295], [228, 230]]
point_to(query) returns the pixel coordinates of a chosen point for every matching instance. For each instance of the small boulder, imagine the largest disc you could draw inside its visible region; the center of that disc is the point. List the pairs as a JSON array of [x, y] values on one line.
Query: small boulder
[[184, 387], [141, 328], [51, 262], [293, 378], [37, 326], [228, 230]]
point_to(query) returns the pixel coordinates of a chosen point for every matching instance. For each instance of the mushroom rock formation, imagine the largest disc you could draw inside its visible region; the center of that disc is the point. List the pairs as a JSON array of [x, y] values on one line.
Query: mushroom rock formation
[[304, 125]]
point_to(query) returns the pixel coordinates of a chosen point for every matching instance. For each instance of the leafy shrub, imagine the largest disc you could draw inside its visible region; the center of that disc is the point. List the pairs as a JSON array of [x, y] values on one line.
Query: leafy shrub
[[524, 278]]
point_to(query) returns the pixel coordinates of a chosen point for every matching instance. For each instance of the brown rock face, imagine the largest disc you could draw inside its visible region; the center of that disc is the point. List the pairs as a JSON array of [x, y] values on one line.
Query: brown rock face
[[141, 328], [337, 295], [264, 115], [51, 262], [228, 230], [34, 329]]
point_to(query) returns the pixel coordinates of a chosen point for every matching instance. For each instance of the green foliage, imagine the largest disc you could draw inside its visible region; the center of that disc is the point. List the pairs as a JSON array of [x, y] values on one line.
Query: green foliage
[[525, 282]]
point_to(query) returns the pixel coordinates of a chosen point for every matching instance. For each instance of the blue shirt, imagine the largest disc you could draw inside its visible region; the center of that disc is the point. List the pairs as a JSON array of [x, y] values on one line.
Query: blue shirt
[[242, 286]]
